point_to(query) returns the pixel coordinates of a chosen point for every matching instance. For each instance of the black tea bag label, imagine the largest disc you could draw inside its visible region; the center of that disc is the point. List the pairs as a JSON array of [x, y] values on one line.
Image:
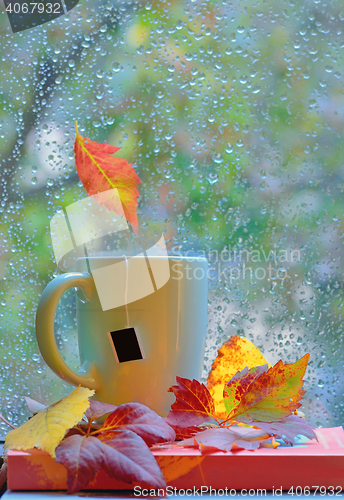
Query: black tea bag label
[[126, 345]]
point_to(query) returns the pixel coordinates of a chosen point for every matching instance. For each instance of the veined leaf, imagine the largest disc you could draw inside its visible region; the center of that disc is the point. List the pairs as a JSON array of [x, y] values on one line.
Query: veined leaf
[[140, 419], [128, 458], [47, 428], [125, 457], [194, 404], [98, 409], [224, 438], [274, 395], [82, 457], [288, 428], [232, 357], [99, 171], [187, 432], [235, 389]]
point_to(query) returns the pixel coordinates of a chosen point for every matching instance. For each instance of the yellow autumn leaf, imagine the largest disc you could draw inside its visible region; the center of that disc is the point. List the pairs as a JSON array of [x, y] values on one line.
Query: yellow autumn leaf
[[47, 428], [232, 357]]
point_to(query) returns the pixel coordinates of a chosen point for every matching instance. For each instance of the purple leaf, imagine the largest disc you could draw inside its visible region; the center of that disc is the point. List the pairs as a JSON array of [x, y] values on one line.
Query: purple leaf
[[288, 428], [140, 419], [223, 438], [126, 457], [98, 409], [82, 456]]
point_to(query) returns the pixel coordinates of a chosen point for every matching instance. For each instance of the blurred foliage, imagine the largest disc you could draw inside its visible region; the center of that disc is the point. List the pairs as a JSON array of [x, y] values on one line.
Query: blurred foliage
[[233, 115]]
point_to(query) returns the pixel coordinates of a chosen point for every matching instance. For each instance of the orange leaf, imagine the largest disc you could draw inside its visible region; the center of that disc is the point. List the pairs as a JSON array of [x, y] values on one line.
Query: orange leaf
[[237, 386], [233, 356], [99, 171], [194, 404], [274, 395], [186, 432]]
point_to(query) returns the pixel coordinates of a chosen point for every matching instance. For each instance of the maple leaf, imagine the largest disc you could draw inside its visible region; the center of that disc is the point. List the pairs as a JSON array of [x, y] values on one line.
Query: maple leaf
[[223, 439], [140, 419], [194, 404], [125, 457], [99, 171], [186, 432], [274, 395], [47, 428], [288, 428], [232, 357], [236, 387]]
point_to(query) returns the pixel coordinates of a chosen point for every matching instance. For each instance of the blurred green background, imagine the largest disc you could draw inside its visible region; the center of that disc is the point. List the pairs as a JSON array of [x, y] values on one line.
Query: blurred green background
[[233, 116]]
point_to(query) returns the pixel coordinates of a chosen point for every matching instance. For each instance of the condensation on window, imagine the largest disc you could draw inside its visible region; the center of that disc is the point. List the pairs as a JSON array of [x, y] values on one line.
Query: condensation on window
[[232, 113]]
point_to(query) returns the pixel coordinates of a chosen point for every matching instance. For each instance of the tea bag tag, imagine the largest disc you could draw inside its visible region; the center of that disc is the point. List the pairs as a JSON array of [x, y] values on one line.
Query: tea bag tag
[[126, 345]]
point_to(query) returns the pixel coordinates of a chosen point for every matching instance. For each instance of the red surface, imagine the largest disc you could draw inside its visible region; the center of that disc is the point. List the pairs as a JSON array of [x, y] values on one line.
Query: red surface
[[311, 464]]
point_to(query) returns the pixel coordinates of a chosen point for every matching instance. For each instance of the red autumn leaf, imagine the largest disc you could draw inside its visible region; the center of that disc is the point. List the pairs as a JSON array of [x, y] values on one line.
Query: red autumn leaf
[[223, 439], [238, 384], [82, 457], [98, 409], [128, 458], [140, 419], [125, 457], [187, 432], [288, 428], [274, 395], [194, 404], [99, 171]]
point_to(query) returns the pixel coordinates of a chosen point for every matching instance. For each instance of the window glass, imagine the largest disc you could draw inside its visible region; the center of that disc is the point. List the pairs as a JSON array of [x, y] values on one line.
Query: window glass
[[232, 114]]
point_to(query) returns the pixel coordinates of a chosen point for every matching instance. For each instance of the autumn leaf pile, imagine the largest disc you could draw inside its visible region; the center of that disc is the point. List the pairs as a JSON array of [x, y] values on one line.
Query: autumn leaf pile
[[120, 446], [260, 402], [257, 404]]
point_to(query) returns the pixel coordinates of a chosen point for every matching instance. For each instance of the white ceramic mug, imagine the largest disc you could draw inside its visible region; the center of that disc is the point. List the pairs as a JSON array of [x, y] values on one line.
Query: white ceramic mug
[[132, 344]]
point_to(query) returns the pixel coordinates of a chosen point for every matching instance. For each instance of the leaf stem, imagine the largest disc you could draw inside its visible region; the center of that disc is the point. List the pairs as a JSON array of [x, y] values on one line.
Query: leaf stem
[[80, 428], [7, 422], [216, 420], [89, 426], [102, 429]]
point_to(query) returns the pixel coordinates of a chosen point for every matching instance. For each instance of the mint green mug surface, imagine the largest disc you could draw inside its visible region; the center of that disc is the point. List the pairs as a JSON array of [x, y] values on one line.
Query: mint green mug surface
[[165, 323]]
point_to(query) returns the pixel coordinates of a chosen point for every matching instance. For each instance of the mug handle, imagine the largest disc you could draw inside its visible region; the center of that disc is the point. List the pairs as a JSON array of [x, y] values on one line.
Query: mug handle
[[45, 328]]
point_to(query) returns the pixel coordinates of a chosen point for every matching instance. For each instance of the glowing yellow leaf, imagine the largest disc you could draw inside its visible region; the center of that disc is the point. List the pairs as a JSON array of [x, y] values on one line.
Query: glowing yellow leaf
[[233, 356], [47, 428]]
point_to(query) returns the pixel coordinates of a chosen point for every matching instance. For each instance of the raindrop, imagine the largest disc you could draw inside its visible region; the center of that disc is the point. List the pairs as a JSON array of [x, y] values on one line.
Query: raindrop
[[212, 179]]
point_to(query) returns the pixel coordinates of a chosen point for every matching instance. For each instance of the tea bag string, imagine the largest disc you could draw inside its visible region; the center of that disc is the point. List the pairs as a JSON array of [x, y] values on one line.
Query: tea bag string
[[126, 289]]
